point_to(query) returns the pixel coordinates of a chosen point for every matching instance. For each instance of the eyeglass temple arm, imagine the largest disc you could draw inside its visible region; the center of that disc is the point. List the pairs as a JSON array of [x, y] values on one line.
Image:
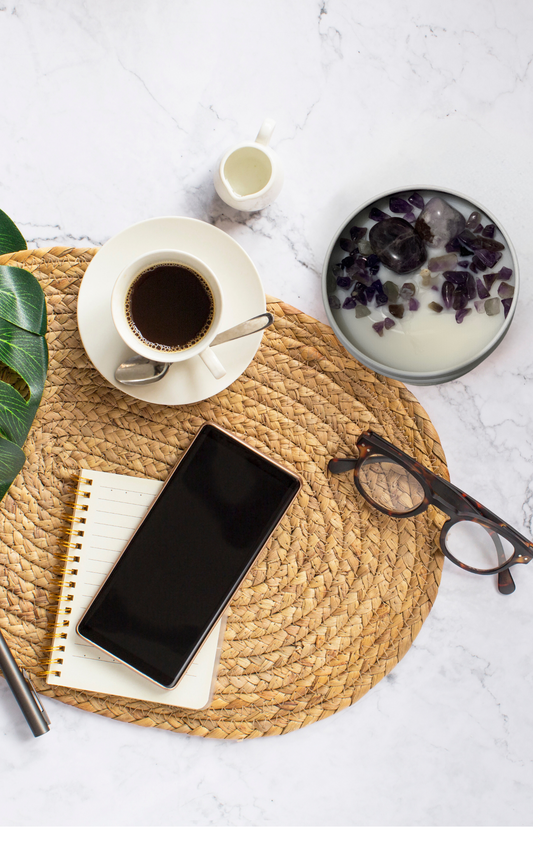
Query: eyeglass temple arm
[[338, 465]]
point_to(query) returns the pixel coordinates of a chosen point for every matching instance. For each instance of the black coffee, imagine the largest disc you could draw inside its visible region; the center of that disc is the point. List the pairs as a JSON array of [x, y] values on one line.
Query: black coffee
[[170, 307]]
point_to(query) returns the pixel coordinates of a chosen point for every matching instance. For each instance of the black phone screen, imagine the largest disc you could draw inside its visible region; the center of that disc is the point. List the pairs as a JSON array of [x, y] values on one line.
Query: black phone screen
[[188, 556]]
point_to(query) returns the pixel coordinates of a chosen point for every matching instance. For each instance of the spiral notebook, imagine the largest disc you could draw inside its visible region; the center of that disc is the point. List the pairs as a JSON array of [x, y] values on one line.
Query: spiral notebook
[[107, 510]]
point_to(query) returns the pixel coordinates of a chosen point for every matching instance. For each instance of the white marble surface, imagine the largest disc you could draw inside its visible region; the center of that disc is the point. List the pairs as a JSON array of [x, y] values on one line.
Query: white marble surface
[[111, 113]]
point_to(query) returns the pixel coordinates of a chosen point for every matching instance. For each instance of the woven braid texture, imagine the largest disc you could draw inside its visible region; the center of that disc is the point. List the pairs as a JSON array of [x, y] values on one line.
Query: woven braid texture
[[340, 591]]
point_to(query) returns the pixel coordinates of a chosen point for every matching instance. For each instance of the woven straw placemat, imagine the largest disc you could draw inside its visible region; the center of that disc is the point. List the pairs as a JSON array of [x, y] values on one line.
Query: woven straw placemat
[[340, 591]]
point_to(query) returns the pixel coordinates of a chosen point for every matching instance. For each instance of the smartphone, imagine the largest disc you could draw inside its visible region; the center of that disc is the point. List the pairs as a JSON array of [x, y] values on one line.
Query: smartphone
[[188, 556]]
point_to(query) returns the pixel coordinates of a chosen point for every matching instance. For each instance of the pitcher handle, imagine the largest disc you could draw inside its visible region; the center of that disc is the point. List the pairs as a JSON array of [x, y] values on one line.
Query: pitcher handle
[[265, 132]]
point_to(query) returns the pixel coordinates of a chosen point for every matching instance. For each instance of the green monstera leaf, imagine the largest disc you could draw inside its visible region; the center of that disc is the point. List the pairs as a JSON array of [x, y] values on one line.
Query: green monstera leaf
[[23, 354]]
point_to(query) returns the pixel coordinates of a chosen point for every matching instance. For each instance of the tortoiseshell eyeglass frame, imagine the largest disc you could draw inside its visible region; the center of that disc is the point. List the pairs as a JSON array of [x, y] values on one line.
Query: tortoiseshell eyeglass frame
[[446, 497]]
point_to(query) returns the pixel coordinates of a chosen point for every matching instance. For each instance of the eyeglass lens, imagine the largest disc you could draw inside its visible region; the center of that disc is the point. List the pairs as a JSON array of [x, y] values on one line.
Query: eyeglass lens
[[389, 485], [477, 546]]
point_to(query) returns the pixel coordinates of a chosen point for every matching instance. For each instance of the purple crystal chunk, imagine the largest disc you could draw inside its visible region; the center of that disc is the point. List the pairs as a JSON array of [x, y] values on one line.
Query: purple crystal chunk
[[440, 263], [377, 215], [439, 222], [397, 245], [334, 302], [356, 233], [505, 291], [506, 306], [347, 262], [379, 326], [505, 273], [349, 303], [372, 264], [478, 229], [473, 220], [474, 268], [459, 300], [416, 200], [447, 293], [490, 278], [462, 264], [489, 230], [359, 293], [482, 291], [344, 282], [414, 304], [347, 245], [398, 205], [471, 287], [488, 257], [475, 241], [480, 306], [388, 323], [461, 313], [410, 217]]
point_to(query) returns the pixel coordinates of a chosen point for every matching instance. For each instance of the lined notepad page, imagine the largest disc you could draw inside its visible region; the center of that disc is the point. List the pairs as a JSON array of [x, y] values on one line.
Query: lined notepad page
[[114, 509]]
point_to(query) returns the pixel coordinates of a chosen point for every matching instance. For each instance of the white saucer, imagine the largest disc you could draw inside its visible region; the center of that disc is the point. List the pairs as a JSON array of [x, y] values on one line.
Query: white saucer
[[189, 381]]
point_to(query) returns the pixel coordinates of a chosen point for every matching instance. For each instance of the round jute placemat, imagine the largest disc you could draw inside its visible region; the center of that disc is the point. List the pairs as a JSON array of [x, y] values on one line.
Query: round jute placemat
[[340, 591]]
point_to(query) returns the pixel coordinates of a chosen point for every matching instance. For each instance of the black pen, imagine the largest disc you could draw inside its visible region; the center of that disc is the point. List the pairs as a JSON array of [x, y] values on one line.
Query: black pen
[[24, 691]]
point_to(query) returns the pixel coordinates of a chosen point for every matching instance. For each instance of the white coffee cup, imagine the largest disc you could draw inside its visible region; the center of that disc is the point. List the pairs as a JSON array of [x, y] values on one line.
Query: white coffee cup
[[134, 340]]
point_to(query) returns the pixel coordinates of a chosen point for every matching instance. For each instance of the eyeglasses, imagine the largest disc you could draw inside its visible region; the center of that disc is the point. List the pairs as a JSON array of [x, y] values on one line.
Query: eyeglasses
[[396, 484]]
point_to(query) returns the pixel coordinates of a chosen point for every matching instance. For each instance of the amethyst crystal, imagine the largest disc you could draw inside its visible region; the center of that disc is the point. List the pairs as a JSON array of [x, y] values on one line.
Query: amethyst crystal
[[490, 278], [474, 220], [396, 311], [439, 222], [347, 245], [347, 262], [460, 315], [506, 306], [489, 230], [379, 326], [349, 303], [447, 293], [480, 306], [344, 282], [414, 304], [459, 300], [482, 291], [399, 206], [397, 245], [475, 241], [410, 217], [388, 323], [488, 257], [462, 264], [377, 215], [356, 233], [372, 263], [442, 262], [505, 291], [505, 273], [416, 200]]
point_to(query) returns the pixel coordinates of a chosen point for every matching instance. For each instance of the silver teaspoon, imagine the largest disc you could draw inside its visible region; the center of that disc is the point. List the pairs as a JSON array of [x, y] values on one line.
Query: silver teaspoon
[[140, 370]]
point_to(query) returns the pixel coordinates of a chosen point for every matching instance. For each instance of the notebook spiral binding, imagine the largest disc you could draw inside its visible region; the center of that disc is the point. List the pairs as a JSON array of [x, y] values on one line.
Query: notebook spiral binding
[[66, 569]]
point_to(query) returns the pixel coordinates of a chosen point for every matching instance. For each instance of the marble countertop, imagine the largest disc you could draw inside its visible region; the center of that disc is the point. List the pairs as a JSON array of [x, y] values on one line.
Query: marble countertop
[[111, 113]]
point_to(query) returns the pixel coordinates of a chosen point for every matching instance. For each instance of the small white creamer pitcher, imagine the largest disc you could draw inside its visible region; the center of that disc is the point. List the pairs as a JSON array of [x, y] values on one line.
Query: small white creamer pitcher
[[250, 176]]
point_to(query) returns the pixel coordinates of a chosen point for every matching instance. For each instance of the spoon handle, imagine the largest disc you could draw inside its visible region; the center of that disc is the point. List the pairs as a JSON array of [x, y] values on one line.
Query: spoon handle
[[250, 326]]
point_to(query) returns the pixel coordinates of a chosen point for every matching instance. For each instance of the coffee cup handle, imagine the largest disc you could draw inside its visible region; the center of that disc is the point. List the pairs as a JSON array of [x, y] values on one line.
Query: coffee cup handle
[[212, 362]]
